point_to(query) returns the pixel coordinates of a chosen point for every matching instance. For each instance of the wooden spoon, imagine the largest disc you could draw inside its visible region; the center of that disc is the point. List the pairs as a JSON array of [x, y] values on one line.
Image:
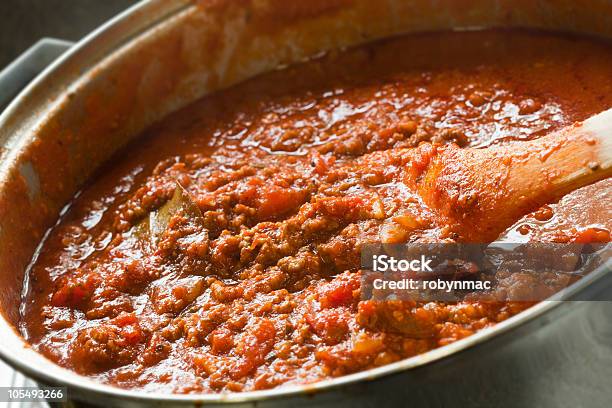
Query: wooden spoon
[[483, 191]]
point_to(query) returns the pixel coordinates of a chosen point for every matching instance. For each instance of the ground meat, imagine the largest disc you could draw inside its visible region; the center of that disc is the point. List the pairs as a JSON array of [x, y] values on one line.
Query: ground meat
[[221, 252]]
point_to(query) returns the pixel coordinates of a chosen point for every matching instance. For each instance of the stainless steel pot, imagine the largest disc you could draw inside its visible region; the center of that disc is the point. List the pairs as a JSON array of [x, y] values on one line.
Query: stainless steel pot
[[162, 54]]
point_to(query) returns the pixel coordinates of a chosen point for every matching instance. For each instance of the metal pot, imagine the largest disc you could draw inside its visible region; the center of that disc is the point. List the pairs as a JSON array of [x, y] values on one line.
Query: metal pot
[[162, 54]]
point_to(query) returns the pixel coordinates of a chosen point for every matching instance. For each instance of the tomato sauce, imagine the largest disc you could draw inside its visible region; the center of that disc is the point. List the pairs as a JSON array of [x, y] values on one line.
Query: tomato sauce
[[220, 252]]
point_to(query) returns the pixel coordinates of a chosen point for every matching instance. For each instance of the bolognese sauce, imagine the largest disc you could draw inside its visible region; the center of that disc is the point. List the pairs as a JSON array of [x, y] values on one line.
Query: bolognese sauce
[[220, 252]]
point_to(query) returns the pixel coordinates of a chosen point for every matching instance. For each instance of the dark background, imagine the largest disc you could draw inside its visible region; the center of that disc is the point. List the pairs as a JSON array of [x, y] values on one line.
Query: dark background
[[23, 22]]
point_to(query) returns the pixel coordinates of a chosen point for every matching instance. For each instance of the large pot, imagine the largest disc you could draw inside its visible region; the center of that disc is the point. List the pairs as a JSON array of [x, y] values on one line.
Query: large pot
[[162, 54]]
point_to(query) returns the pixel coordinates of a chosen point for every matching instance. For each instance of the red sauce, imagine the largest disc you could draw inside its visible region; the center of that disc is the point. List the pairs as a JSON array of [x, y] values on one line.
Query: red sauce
[[249, 279]]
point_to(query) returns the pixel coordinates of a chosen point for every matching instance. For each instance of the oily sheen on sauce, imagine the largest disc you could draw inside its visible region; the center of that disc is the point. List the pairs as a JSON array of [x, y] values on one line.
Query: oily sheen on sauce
[[257, 284]]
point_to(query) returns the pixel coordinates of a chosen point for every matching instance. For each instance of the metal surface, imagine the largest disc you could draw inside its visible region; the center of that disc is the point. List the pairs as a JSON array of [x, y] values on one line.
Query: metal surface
[[13, 79], [24, 22], [20, 72], [512, 364], [14, 379]]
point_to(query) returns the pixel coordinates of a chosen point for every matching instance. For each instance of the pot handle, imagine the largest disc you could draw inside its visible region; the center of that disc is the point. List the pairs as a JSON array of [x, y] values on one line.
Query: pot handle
[[20, 72]]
